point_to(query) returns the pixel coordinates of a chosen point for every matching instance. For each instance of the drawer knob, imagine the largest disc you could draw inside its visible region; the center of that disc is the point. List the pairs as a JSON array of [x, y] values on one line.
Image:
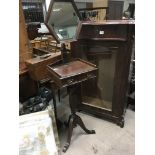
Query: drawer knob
[[89, 76], [70, 81], [101, 32]]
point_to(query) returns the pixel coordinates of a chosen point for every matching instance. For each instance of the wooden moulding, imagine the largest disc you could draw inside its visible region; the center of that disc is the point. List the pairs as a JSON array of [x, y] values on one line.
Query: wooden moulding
[[108, 30]]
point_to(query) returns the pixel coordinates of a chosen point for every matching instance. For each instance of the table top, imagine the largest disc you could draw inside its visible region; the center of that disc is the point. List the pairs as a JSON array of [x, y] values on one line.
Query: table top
[[73, 68]]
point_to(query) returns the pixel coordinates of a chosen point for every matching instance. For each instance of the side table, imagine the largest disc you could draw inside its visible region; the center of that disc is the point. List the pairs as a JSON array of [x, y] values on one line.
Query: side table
[[70, 75]]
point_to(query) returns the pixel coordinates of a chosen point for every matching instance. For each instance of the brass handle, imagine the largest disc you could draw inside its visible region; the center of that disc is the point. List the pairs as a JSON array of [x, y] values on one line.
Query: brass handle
[[70, 81], [89, 76]]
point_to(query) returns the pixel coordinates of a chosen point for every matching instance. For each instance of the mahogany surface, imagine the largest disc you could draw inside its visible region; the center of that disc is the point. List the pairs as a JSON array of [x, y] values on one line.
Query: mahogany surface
[[108, 22], [72, 73], [118, 35], [72, 68], [75, 72], [110, 30]]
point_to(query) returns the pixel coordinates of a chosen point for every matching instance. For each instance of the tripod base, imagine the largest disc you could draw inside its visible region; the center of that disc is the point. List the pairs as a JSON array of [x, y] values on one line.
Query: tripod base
[[73, 121]]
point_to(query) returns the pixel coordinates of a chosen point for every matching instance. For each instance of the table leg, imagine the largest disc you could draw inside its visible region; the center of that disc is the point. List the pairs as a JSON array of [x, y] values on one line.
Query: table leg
[[74, 119]]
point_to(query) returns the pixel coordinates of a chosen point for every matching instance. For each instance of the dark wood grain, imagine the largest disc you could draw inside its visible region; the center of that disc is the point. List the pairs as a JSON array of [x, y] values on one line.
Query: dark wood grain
[[119, 36], [27, 87], [72, 68], [72, 73]]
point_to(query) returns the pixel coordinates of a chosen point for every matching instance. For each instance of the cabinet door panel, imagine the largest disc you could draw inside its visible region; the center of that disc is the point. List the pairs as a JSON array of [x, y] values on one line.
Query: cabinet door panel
[[98, 92]]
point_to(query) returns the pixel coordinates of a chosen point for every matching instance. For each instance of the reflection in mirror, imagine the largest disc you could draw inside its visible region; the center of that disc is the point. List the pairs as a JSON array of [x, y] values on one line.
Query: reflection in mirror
[[47, 3], [63, 20]]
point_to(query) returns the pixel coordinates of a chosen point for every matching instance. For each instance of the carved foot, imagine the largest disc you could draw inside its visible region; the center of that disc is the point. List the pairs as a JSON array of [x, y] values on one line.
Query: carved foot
[[121, 123], [66, 147], [81, 124], [92, 132], [73, 121]]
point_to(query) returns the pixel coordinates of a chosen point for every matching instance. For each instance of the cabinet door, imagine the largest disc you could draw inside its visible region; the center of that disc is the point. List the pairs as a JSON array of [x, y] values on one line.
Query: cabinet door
[[98, 92]]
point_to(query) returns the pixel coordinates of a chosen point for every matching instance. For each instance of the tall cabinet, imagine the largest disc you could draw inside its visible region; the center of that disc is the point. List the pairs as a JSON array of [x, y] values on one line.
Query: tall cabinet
[[107, 44]]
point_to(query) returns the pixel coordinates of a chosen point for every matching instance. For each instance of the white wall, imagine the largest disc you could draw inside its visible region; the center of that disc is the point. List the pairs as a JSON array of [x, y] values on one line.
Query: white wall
[[80, 5]]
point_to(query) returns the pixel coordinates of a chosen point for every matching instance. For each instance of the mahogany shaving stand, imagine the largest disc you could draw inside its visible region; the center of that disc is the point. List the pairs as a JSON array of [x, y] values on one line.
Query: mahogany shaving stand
[[70, 75]]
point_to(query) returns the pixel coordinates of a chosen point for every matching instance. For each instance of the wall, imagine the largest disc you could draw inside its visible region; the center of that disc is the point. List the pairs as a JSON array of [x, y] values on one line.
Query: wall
[[80, 5], [126, 3], [101, 3]]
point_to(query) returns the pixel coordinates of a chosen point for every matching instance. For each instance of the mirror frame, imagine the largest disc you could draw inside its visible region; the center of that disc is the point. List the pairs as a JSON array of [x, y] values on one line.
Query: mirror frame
[[49, 13]]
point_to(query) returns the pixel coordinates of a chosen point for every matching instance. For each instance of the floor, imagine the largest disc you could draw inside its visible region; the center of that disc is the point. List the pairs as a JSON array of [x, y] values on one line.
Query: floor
[[109, 139]]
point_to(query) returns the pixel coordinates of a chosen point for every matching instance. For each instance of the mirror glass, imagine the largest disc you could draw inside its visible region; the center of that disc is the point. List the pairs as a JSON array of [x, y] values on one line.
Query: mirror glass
[[63, 20]]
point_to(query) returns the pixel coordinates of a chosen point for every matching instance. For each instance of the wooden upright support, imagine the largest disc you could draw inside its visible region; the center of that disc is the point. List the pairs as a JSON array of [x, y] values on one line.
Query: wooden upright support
[[24, 49]]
